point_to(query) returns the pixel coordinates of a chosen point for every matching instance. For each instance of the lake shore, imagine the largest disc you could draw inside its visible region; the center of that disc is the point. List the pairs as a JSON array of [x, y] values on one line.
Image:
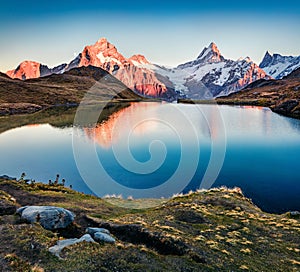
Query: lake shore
[[284, 109]]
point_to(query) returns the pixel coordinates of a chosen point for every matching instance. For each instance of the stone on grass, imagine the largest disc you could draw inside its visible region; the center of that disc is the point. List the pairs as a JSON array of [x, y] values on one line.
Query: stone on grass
[[61, 244], [295, 214], [49, 217], [103, 237], [92, 231]]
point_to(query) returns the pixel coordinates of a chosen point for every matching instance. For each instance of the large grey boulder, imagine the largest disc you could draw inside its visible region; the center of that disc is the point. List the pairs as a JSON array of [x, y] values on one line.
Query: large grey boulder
[[61, 244], [49, 217]]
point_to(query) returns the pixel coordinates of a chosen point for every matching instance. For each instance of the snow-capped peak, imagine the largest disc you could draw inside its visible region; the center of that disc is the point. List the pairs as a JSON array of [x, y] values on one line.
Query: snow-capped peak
[[210, 54], [213, 47]]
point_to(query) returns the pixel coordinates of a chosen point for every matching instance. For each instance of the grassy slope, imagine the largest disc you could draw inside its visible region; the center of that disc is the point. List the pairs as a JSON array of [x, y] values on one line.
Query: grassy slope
[[282, 96], [28, 96], [220, 230]]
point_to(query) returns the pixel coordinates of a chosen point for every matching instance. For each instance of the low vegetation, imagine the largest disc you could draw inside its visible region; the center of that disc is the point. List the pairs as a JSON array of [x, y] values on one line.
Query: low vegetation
[[209, 230]]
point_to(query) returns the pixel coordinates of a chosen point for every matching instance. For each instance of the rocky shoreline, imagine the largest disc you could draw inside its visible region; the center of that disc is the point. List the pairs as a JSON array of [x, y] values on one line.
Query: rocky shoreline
[[18, 108]]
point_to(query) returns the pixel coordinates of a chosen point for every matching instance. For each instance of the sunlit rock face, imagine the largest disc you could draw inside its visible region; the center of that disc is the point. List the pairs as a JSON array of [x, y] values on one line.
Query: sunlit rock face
[[133, 72], [26, 70], [31, 69]]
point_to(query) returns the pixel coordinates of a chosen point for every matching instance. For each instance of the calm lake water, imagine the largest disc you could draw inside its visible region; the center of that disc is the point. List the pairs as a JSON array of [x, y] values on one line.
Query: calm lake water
[[157, 150]]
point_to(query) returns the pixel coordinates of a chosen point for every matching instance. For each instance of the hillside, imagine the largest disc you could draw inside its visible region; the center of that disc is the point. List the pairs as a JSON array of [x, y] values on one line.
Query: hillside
[[281, 96], [66, 89], [214, 230]]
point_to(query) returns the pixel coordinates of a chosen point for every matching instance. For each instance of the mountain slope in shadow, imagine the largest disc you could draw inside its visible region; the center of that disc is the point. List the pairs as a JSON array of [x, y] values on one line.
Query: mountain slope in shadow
[[66, 89]]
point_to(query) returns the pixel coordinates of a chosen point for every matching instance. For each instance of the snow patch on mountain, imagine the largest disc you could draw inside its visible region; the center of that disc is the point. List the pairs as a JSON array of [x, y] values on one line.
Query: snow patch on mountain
[[107, 59], [176, 76]]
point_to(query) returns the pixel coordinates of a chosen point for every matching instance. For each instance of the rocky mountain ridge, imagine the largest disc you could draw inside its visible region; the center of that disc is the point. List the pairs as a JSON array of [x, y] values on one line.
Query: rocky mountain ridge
[[209, 75], [279, 66]]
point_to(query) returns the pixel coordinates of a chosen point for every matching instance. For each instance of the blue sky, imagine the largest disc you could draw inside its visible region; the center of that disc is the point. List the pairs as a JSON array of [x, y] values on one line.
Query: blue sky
[[166, 32]]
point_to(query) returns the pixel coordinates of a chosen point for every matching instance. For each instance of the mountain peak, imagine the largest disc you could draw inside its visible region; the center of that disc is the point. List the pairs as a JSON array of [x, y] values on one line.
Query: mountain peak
[[266, 60], [102, 40], [25, 70], [268, 54], [102, 45], [248, 59], [213, 46], [211, 54], [138, 60]]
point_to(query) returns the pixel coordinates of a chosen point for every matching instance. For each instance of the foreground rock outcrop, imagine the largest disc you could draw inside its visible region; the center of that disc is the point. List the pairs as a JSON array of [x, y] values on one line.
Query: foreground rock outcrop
[[49, 217]]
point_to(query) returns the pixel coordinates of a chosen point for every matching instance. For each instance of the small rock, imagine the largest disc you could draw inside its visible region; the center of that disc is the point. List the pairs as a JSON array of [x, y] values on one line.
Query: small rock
[[103, 237], [100, 235], [49, 217], [92, 231], [61, 244], [295, 214]]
